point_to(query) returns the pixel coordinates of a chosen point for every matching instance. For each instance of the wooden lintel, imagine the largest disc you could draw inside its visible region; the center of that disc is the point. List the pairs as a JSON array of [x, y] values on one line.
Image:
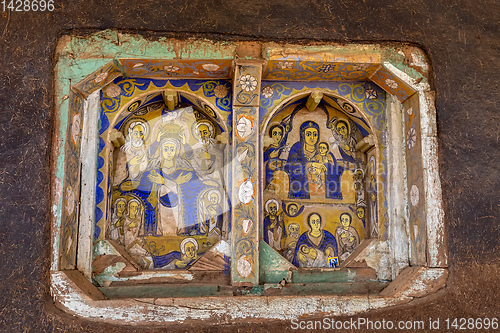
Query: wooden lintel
[[171, 99], [314, 100]]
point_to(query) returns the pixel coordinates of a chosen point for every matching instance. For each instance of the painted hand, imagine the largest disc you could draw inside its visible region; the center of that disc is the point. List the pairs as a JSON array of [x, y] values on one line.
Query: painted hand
[[155, 177], [137, 159], [181, 179]]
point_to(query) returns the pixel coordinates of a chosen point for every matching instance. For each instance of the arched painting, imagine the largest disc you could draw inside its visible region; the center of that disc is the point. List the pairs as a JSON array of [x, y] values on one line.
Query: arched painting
[[315, 190], [169, 199]]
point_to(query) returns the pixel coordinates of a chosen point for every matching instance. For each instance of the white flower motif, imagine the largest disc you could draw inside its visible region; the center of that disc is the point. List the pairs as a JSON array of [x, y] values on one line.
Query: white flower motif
[[414, 195], [101, 77], [411, 138], [139, 64], [70, 200], [210, 67], [285, 65], [268, 91], [247, 224], [75, 128], [409, 111], [248, 82], [244, 127], [244, 267], [245, 192], [391, 83], [171, 68], [360, 67]]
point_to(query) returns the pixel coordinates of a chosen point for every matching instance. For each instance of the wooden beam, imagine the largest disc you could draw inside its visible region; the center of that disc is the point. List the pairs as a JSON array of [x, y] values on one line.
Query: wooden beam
[[171, 99], [314, 100]]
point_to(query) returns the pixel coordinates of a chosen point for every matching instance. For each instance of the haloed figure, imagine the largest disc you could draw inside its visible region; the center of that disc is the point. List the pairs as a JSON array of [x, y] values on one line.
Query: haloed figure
[[176, 259], [118, 220], [274, 227], [135, 150], [272, 153], [316, 238], [347, 236], [213, 213]]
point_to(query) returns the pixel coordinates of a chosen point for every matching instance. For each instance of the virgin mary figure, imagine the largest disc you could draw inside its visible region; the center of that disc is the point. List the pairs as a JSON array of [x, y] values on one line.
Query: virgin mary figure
[[170, 181], [303, 159]]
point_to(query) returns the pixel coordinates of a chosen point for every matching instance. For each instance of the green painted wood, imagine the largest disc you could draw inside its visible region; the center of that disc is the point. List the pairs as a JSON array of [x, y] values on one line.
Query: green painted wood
[[334, 276], [170, 290], [357, 288], [273, 267]]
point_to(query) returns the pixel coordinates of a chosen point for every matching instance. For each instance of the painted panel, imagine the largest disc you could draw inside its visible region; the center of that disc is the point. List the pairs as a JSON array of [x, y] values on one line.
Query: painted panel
[[392, 84], [71, 190], [364, 105], [163, 170], [314, 196], [98, 79], [177, 68], [294, 68], [418, 231], [246, 197]]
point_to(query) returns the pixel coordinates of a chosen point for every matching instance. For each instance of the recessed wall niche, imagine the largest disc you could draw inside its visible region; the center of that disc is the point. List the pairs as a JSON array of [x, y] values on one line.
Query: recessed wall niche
[[309, 170]]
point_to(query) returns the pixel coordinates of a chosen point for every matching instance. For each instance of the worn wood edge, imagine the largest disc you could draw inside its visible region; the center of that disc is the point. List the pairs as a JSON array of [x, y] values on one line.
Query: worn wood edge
[[129, 261], [353, 258], [212, 310], [416, 281], [84, 284]]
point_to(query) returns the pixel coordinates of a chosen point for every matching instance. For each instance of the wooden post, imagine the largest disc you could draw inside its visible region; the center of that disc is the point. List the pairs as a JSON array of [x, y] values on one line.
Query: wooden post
[[245, 174], [171, 99], [314, 100]]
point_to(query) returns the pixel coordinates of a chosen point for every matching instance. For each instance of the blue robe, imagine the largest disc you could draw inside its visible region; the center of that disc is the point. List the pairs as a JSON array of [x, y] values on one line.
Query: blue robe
[[297, 172], [187, 196], [327, 240], [268, 160], [333, 189], [164, 260]]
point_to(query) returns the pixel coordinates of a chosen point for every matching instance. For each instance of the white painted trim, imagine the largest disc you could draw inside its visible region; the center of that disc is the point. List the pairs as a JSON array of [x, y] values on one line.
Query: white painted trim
[[88, 157], [437, 255], [229, 310], [397, 200]]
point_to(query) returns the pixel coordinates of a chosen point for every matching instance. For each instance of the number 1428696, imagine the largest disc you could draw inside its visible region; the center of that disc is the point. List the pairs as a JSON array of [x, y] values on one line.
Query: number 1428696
[[27, 5]]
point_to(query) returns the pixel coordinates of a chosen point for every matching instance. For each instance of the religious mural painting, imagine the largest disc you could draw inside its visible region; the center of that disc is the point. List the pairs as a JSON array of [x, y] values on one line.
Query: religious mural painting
[[314, 192], [169, 203]]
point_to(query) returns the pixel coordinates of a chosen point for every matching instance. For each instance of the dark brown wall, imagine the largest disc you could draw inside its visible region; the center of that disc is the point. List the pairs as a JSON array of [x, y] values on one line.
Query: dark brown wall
[[462, 41]]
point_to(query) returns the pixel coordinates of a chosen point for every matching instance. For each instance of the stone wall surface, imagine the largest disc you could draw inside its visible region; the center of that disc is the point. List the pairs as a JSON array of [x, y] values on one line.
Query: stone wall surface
[[461, 39]]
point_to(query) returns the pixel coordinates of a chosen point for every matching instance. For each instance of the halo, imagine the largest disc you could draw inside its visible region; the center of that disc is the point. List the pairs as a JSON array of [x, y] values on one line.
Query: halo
[[188, 240], [209, 193], [345, 121], [293, 224], [131, 123], [133, 200], [120, 199], [196, 125], [268, 202]]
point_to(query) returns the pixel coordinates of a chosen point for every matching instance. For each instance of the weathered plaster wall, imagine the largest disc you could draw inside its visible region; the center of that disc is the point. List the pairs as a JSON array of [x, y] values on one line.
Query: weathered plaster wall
[[461, 39]]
